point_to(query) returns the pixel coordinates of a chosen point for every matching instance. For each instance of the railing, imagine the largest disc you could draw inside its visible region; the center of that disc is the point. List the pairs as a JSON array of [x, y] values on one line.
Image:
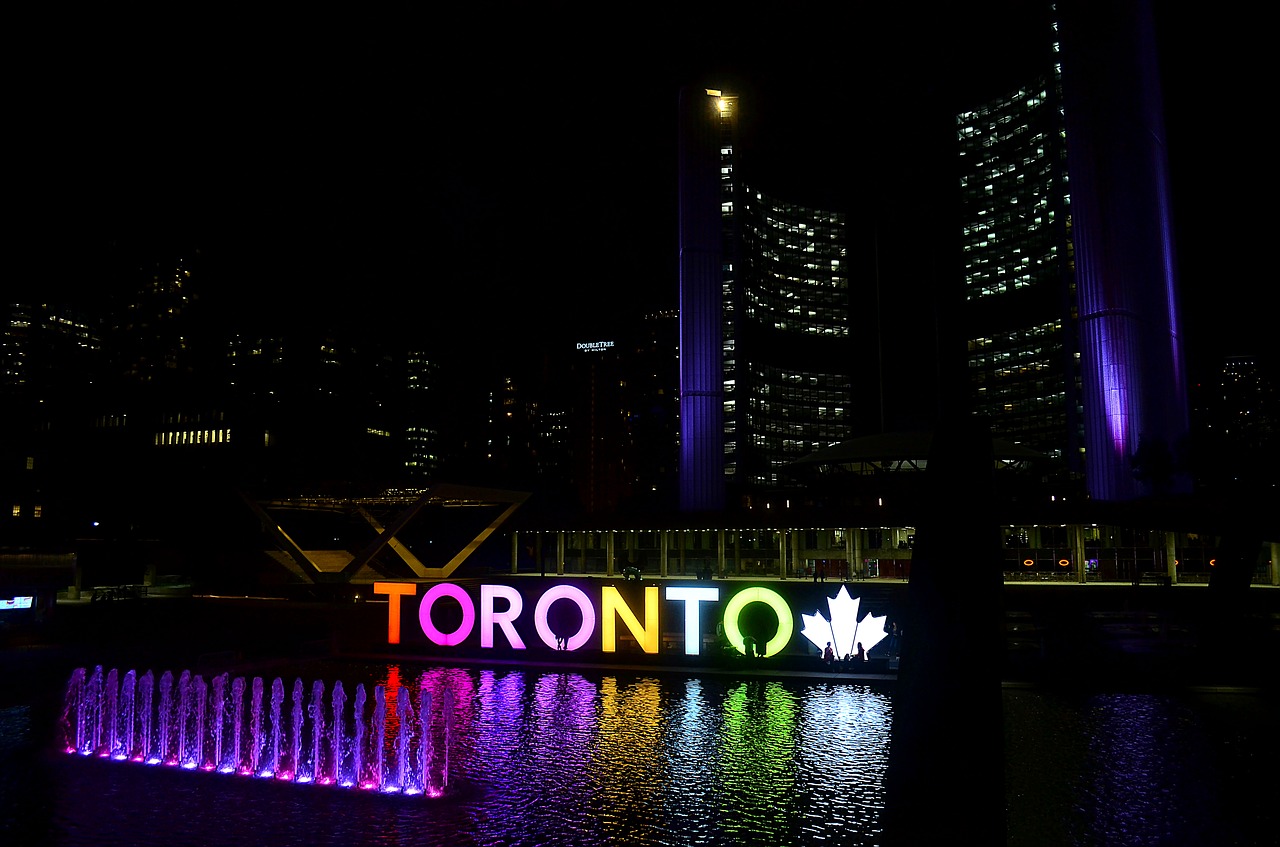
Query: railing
[[117, 592]]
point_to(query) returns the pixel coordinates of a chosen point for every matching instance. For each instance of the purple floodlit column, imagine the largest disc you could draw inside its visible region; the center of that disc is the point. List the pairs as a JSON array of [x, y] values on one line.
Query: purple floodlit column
[[1130, 348], [701, 274]]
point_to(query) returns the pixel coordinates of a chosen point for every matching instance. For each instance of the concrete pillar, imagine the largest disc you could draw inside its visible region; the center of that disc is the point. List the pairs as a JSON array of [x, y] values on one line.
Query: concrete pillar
[[795, 553], [720, 552], [848, 553], [560, 552], [608, 553], [782, 551], [856, 534], [737, 551], [1275, 562], [1171, 556], [515, 551], [1078, 552], [663, 541], [582, 551]]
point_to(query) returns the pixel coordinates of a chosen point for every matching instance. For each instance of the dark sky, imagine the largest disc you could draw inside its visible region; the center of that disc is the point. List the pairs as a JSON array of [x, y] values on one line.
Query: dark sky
[[510, 169]]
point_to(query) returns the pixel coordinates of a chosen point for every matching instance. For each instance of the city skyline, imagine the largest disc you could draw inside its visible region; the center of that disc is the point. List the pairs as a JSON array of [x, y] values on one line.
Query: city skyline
[[341, 175]]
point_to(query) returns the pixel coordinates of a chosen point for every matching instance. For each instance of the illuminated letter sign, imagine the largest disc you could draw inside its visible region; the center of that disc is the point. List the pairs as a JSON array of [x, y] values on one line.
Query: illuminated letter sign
[[488, 617], [564, 592], [394, 590], [786, 624], [843, 627], [500, 608], [611, 602], [468, 614], [692, 613]]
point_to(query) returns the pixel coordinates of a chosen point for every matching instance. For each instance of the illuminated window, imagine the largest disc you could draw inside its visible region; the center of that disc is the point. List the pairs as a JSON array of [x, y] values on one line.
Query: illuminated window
[[17, 510]]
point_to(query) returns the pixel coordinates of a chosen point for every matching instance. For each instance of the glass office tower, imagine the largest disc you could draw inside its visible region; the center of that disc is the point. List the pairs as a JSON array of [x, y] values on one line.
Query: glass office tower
[[764, 320], [1069, 272]]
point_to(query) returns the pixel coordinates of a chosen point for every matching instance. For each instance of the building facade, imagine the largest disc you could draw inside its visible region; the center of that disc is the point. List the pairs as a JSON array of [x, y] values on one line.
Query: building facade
[[1074, 344], [764, 320]]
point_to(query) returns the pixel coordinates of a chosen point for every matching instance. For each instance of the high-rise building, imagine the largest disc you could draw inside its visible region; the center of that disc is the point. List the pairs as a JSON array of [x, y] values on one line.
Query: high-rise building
[[764, 319], [423, 409], [1069, 273]]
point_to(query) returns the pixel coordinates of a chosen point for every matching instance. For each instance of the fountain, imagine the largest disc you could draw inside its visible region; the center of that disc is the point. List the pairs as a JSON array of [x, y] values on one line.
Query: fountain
[[111, 715]]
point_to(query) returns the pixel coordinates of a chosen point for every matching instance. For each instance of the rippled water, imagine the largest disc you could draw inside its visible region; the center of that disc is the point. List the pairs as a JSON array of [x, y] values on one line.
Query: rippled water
[[545, 759], [595, 758], [1141, 770]]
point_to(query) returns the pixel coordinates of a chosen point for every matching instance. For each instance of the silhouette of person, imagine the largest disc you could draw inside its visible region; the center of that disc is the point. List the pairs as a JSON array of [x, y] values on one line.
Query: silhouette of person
[[829, 656], [862, 654]]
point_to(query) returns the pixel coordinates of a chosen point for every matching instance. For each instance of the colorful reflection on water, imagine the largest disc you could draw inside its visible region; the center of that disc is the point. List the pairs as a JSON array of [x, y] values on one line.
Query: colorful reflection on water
[[579, 758], [596, 758], [573, 758]]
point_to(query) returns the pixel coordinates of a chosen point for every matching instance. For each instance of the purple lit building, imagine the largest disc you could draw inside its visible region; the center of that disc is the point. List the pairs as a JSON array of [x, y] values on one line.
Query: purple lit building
[[1069, 269], [764, 320]]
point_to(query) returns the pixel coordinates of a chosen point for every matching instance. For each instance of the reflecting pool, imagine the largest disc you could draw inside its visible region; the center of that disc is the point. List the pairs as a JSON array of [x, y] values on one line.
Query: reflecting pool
[[598, 757], [572, 758]]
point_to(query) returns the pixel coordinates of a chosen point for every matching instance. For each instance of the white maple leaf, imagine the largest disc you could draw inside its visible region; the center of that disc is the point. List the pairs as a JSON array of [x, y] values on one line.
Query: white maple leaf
[[842, 628]]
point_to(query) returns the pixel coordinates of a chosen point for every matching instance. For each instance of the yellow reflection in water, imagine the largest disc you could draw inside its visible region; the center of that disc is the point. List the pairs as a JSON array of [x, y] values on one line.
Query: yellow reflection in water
[[628, 765]]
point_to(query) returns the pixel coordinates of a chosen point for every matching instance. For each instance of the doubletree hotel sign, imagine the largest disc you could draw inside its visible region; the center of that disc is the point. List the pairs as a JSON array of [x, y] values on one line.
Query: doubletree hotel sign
[[567, 617]]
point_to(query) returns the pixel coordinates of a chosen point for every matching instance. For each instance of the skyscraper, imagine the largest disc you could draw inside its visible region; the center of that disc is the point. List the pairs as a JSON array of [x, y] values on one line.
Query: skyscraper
[[1069, 268], [764, 319]]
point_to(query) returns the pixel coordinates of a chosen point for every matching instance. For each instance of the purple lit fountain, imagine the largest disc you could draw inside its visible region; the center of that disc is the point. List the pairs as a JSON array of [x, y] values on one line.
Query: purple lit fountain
[[205, 727]]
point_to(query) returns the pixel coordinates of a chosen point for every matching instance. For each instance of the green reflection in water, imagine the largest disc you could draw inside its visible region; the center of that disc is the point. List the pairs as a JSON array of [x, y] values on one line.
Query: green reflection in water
[[756, 760]]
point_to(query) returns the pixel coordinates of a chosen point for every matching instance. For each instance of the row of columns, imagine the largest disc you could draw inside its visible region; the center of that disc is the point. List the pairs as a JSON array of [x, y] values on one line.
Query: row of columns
[[789, 551]]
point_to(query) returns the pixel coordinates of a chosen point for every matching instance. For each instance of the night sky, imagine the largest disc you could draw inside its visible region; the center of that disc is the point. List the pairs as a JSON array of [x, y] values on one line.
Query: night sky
[[509, 170]]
